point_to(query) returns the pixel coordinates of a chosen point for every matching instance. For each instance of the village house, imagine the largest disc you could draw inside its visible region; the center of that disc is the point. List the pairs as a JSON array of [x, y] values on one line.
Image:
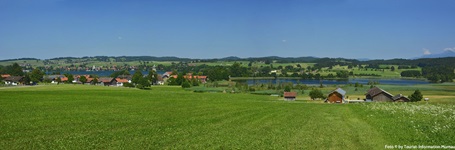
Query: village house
[[121, 81], [166, 75], [126, 77], [290, 95], [14, 80], [190, 76], [377, 94], [106, 81], [90, 81], [336, 96], [160, 80]]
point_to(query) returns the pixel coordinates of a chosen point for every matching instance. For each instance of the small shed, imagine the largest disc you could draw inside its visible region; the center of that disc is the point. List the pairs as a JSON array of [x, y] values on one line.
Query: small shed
[[400, 98], [336, 96], [290, 95]]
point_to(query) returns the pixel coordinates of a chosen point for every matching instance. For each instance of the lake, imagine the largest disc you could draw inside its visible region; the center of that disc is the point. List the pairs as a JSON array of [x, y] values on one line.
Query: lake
[[334, 82]]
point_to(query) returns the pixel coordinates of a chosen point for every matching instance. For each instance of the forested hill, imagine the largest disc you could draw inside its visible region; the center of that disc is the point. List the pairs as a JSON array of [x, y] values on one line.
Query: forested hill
[[417, 62]]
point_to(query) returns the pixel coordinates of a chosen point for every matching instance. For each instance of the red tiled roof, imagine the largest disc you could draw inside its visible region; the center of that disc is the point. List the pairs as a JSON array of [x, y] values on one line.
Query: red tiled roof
[[89, 80], [5, 75], [121, 80], [190, 77], [290, 94]]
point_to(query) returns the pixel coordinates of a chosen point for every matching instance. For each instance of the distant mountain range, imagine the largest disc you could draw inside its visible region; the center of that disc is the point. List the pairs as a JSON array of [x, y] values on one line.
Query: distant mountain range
[[447, 53]]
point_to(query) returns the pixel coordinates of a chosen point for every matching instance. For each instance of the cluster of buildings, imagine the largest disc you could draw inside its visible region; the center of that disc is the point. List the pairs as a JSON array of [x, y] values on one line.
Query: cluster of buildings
[[375, 94], [105, 81]]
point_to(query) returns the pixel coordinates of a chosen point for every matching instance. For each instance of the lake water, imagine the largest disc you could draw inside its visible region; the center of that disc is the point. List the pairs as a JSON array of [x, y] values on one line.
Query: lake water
[[335, 82]]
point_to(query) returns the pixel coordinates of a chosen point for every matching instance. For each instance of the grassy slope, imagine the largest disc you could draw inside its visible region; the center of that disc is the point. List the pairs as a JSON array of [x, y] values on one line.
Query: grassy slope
[[83, 117]]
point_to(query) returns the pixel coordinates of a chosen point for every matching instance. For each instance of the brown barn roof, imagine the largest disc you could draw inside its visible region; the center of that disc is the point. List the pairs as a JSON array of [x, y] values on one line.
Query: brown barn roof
[[290, 94], [375, 91], [105, 79], [399, 96], [14, 78]]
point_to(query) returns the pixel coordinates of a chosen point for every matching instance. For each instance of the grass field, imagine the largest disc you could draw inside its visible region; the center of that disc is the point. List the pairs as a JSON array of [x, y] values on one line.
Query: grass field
[[94, 117]]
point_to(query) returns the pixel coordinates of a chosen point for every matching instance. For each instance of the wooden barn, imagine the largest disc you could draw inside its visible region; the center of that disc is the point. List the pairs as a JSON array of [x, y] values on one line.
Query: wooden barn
[[400, 98], [290, 95], [379, 95], [336, 96]]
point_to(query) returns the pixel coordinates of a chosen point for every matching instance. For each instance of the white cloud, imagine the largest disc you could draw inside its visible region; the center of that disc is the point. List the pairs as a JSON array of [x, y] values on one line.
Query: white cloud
[[449, 49], [426, 51]]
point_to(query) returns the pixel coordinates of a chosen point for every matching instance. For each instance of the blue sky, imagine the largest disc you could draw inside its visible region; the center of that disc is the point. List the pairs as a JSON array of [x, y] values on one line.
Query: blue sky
[[375, 29]]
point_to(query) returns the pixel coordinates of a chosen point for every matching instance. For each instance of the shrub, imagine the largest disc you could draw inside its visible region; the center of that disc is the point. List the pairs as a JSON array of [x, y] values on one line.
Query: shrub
[[186, 84], [128, 85], [316, 94], [416, 96], [287, 88]]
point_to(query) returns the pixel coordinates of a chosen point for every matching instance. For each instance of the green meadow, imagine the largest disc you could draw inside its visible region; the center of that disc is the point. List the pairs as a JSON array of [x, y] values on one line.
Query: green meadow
[[95, 117]]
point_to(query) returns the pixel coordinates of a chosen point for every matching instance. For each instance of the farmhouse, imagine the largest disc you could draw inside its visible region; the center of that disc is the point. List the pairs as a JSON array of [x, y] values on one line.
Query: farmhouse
[[107, 81], [14, 80], [290, 95], [167, 75], [90, 80], [121, 81], [190, 76], [378, 95], [336, 96]]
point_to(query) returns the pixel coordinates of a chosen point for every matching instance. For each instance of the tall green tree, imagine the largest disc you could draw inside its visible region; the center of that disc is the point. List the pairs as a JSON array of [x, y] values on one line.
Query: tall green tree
[[15, 70], [27, 79], [83, 79], [118, 73], [416, 96], [153, 77], [36, 75], [143, 83], [180, 79], [70, 78], [136, 77]]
